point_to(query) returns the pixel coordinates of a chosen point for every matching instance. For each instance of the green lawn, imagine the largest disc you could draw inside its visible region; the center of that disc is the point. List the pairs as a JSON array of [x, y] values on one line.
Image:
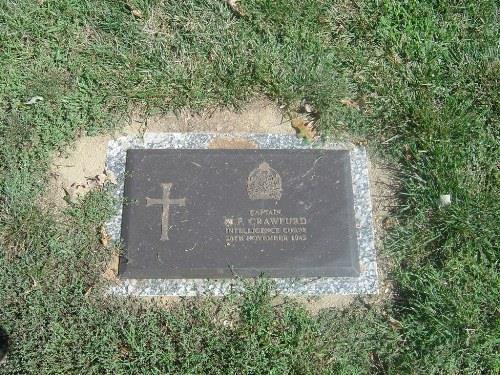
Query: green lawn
[[425, 75]]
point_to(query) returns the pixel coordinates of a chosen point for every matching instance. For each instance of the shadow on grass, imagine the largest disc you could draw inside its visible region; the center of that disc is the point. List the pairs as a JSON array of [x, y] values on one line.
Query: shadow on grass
[[4, 343]]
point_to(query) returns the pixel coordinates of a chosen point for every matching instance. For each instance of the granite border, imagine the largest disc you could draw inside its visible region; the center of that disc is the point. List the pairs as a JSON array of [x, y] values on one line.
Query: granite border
[[365, 283]]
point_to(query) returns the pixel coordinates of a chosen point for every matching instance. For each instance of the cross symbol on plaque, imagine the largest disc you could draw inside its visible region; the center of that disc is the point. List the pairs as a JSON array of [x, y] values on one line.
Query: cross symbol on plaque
[[165, 201]]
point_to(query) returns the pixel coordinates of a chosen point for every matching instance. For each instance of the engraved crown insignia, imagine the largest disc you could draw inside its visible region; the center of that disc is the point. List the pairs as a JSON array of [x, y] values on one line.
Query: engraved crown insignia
[[264, 183]]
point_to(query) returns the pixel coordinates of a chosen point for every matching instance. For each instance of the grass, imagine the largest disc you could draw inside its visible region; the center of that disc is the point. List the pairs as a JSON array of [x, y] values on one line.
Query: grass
[[424, 75]]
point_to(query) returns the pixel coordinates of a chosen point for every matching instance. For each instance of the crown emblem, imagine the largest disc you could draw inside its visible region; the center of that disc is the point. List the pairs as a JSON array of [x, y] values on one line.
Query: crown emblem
[[264, 183]]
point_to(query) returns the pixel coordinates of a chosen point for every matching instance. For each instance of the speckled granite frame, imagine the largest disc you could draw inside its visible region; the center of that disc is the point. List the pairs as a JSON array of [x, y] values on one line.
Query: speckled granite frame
[[365, 283]]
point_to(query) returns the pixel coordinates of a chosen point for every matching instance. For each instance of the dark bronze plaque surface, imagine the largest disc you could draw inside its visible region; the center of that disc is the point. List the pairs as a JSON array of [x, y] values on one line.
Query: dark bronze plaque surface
[[221, 213]]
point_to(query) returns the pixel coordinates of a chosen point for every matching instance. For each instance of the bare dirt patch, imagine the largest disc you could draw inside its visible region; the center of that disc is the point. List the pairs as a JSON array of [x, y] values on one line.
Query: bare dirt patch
[[312, 304], [384, 188], [259, 116]]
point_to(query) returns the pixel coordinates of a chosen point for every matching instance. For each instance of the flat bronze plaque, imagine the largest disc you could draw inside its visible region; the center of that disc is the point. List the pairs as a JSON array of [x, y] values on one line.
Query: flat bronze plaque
[[191, 214]]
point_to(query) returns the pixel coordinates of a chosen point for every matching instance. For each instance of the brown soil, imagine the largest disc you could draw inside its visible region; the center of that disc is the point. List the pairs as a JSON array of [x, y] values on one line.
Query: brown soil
[[384, 187], [312, 304]]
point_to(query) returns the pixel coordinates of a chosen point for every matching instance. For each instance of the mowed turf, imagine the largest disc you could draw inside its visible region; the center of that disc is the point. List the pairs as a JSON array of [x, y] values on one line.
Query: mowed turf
[[417, 79]]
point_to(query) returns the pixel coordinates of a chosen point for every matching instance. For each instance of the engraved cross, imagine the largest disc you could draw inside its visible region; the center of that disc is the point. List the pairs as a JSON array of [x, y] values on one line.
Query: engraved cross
[[165, 201]]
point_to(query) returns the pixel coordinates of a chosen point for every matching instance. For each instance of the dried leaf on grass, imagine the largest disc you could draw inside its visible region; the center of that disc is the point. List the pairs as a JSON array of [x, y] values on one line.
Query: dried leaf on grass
[[350, 103], [137, 13], [396, 324], [304, 128], [235, 7], [89, 290]]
